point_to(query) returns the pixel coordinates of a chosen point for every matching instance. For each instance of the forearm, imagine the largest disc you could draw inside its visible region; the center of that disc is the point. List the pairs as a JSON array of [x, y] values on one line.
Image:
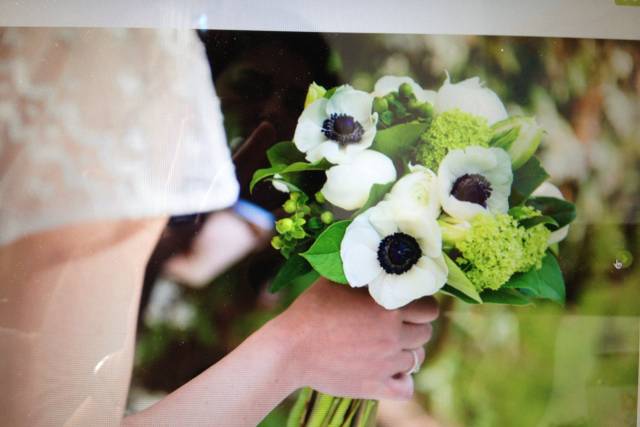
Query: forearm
[[239, 390]]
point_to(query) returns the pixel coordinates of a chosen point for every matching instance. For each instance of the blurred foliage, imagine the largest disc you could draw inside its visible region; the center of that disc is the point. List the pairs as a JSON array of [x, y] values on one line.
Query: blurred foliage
[[487, 366]]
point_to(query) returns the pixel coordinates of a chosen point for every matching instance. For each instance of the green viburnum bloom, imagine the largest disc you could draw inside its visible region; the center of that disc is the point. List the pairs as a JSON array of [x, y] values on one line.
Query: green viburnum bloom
[[451, 130], [493, 248]]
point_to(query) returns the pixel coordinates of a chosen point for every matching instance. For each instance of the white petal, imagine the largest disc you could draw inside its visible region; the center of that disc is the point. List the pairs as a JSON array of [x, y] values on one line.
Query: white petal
[[307, 136], [397, 290], [461, 210], [308, 133], [328, 149], [427, 96], [416, 191], [382, 219], [547, 189], [471, 97], [358, 251], [438, 268], [426, 231], [558, 235], [279, 185], [348, 184], [356, 103]]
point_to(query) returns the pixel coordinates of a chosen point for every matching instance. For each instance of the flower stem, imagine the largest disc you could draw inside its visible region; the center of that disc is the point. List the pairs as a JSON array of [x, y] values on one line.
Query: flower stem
[[338, 417], [321, 409], [355, 406], [367, 413], [300, 408]]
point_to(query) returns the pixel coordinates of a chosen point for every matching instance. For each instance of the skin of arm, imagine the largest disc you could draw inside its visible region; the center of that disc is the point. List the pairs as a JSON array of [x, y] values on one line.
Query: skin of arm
[[239, 390], [67, 331], [333, 338]]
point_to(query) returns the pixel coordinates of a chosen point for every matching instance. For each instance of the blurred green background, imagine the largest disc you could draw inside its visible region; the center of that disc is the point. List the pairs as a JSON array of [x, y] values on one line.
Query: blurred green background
[[541, 365]]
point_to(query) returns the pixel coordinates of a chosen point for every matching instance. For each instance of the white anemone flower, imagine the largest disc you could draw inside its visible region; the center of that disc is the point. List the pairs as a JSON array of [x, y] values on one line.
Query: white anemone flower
[[337, 128], [348, 184], [388, 84], [399, 257], [471, 97], [547, 189], [416, 191], [475, 180]]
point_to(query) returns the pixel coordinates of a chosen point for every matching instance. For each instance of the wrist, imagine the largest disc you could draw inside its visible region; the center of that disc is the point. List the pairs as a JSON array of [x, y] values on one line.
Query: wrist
[[285, 341]]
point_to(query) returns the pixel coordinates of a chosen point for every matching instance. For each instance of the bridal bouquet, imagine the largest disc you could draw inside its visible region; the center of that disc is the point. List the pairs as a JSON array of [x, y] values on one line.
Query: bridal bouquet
[[410, 192]]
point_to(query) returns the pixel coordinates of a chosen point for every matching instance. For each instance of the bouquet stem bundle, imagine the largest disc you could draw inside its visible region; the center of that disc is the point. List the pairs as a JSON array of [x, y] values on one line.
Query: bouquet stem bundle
[[315, 409]]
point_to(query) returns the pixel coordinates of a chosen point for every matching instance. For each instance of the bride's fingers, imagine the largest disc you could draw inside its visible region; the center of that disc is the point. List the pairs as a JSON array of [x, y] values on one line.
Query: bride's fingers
[[414, 335], [423, 310], [403, 362]]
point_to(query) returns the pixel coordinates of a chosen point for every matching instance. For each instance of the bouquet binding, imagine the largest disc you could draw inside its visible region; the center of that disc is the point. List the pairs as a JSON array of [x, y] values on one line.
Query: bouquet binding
[[421, 192]]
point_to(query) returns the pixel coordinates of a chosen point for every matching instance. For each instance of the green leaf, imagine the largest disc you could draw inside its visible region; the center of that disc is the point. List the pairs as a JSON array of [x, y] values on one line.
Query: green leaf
[[540, 219], [283, 170], [561, 211], [504, 296], [377, 193], [324, 254], [293, 268], [303, 167], [397, 139], [544, 283], [284, 153], [261, 174], [328, 94], [525, 180], [459, 281], [449, 290]]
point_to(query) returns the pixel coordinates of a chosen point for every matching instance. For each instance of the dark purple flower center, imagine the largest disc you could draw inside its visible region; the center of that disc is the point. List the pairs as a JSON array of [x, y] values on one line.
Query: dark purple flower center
[[398, 252], [472, 188], [343, 129]]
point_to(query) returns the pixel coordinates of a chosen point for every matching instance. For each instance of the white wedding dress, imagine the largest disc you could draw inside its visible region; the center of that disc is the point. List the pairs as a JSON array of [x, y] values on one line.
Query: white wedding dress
[[97, 127], [103, 124]]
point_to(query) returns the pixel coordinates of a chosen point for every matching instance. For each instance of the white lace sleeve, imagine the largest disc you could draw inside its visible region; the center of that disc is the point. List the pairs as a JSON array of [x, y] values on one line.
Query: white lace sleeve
[[107, 124]]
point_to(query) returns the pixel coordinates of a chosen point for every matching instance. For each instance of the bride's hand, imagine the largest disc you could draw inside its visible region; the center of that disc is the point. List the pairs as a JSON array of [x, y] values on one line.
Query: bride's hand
[[345, 344]]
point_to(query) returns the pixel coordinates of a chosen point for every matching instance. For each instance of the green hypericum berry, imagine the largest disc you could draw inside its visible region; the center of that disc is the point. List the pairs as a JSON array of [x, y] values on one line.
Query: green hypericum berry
[[277, 242], [425, 110], [284, 225], [320, 197], [290, 206], [326, 217], [391, 97], [386, 118], [398, 108], [315, 223], [298, 233], [380, 105], [294, 196], [414, 105], [405, 90]]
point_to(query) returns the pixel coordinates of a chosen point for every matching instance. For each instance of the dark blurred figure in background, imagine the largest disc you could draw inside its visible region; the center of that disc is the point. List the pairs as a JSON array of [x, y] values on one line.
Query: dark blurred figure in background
[[261, 79]]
